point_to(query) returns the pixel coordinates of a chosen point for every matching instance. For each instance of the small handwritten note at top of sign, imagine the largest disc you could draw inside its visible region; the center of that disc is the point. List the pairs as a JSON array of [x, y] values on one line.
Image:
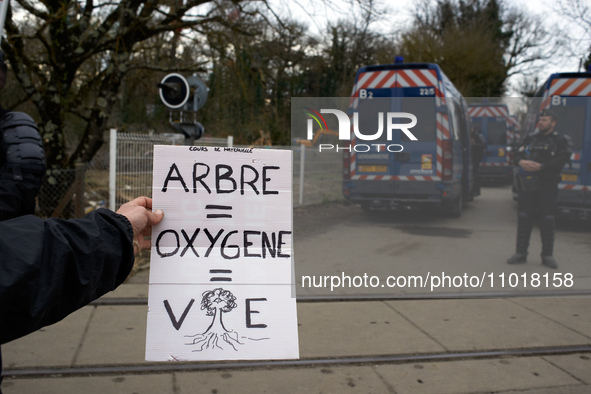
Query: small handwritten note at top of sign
[[221, 284]]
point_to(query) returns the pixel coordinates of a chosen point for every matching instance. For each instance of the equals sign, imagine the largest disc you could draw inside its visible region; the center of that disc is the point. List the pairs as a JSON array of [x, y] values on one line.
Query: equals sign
[[219, 215], [220, 278]]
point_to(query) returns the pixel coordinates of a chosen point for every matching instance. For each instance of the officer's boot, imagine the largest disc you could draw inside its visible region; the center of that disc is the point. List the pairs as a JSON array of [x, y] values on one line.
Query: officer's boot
[[524, 226], [547, 233]]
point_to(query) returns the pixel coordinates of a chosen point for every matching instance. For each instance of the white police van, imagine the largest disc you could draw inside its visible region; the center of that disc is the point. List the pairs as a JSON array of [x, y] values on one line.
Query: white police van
[[401, 173]]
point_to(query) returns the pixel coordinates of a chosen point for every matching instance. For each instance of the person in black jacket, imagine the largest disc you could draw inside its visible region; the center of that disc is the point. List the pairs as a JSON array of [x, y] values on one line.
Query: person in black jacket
[[51, 268], [478, 147], [540, 159], [22, 160]]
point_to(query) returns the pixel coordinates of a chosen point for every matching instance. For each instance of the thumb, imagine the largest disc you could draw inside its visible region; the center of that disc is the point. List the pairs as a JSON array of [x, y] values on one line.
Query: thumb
[[155, 217], [151, 218]]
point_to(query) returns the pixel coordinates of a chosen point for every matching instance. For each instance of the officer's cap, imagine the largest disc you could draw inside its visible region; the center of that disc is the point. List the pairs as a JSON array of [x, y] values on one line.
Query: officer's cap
[[549, 112]]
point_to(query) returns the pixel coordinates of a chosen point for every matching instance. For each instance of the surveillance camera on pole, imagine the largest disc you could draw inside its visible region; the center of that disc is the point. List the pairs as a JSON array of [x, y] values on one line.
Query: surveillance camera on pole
[[185, 95]]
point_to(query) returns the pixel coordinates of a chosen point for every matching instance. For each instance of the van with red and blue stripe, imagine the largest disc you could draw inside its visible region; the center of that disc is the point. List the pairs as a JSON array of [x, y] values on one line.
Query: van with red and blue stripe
[[432, 171], [569, 96], [498, 129]]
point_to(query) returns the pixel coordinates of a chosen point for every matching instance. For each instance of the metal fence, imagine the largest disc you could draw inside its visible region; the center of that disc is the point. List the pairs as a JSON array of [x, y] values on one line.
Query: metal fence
[[131, 159], [317, 176], [122, 171]]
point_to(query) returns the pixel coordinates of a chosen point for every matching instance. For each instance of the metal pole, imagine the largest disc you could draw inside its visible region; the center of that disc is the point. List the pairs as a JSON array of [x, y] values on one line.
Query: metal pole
[[3, 12], [112, 169]]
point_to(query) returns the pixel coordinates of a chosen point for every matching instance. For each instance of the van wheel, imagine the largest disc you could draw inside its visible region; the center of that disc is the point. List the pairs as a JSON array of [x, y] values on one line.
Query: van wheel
[[454, 209]]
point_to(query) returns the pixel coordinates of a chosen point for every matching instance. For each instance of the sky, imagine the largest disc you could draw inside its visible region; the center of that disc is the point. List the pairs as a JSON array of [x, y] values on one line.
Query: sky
[[317, 13]]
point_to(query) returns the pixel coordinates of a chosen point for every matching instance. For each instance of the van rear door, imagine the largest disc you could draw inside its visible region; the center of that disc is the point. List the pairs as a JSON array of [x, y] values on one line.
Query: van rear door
[[398, 90], [495, 134], [495, 124]]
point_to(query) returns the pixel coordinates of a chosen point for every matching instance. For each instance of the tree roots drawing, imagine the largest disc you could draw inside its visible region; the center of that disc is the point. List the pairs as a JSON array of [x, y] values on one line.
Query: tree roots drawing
[[212, 340]]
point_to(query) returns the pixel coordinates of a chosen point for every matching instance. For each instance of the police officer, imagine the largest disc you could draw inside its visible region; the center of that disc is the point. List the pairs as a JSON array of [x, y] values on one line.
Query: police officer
[[22, 160], [478, 147], [540, 159]]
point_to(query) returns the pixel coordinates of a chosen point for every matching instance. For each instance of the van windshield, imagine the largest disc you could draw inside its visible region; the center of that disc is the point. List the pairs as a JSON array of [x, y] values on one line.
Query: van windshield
[[497, 132]]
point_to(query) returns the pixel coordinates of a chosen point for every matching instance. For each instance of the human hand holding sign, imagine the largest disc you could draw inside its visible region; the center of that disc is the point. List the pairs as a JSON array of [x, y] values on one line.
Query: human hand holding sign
[[530, 165], [140, 215]]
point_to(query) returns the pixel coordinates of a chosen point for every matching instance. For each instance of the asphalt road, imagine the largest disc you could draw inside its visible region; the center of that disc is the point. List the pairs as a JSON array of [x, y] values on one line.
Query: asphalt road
[[341, 250]]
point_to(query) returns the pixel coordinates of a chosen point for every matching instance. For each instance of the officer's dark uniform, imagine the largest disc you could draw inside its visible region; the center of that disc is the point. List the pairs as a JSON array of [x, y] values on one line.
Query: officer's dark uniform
[[478, 148], [538, 191]]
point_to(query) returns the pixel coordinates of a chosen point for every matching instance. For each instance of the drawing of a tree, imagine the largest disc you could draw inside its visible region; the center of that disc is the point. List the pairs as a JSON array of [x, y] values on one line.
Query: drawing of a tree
[[216, 302]]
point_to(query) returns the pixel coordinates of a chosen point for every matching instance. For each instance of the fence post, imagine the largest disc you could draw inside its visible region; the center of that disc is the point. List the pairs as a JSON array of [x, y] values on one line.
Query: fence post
[[79, 201], [230, 141], [112, 168], [302, 162]]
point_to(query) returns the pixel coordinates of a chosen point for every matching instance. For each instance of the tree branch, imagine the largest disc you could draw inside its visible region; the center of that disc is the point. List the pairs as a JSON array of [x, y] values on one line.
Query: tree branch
[[33, 10]]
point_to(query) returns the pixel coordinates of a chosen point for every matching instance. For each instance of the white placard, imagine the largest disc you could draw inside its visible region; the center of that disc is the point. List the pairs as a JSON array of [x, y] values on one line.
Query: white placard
[[221, 268]]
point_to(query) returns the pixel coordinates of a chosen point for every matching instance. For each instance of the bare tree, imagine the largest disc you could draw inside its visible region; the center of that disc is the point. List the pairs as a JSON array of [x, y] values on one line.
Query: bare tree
[[530, 44], [575, 30], [479, 43], [71, 58]]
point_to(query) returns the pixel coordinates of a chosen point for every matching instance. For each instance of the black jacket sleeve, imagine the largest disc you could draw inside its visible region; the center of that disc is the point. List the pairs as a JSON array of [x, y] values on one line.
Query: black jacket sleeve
[[50, 268]]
